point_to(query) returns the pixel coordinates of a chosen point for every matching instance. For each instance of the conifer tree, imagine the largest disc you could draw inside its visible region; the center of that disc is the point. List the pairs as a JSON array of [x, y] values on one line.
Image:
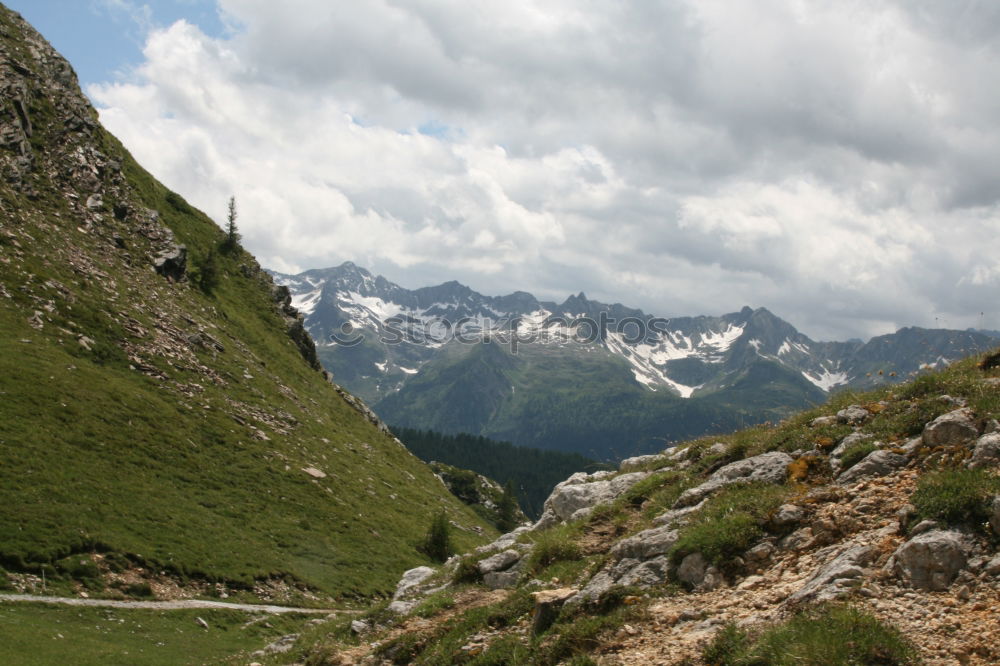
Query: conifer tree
[[232, 242], [437, 544]]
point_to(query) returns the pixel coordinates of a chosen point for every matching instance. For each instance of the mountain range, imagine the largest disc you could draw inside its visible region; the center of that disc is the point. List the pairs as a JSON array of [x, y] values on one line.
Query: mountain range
[[604, 380]]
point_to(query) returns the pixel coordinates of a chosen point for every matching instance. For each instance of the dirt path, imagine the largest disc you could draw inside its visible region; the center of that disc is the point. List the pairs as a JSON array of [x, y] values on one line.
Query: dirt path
[[169, 605]]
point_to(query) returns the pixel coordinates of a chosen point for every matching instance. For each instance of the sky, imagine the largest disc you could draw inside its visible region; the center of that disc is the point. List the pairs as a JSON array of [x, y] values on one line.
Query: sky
[[835, 162]]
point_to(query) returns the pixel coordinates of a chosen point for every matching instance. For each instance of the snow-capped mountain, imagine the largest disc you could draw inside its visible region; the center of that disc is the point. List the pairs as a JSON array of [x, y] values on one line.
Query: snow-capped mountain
[[396, 347]]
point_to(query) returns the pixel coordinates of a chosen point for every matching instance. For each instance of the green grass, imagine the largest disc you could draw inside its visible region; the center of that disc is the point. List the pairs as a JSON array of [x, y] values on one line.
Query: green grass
[[40, 635], [730, 523], [956, 496], [172, 473], [830, 635], [855, 454]]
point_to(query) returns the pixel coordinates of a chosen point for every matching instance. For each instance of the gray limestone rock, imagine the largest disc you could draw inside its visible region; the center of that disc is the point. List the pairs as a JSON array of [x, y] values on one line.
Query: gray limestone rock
[[836, 578], [646, 544], [580, 493], [853, 415], [987, 451], [955, 427], [767, 467], [499, 562], [930, 561], [692, 570], [876, 463]]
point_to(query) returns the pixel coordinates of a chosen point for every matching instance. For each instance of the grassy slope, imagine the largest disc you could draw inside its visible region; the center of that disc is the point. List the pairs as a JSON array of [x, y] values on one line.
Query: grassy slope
[[95, 455], [38, 635]]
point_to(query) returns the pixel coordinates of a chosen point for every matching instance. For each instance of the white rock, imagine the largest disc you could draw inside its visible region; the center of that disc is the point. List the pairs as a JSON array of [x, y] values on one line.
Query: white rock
[[930, 561], [767, 467], [987, 451], [955, 427]]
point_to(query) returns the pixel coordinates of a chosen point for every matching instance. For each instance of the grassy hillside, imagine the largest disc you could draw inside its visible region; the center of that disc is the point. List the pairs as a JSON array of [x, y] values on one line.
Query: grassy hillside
[[176, 426]]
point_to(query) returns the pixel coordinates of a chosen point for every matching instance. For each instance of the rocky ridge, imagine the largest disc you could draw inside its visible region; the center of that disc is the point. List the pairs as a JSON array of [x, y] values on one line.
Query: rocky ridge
[[887, 503]]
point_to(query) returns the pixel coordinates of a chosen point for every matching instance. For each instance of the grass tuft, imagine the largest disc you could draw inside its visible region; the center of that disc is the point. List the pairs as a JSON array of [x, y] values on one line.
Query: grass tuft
[[955, 496]]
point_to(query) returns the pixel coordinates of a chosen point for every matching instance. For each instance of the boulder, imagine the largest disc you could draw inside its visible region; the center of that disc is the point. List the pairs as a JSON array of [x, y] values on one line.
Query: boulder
[[172, 262], [876, 463], [987, 451], [955, 427], [767, 467], [631, 464], [501, 580], [853, 415], [646, 544], [836, 578], [788, 515], [847, 442], [930, 561], [579, 494], [821, 421], [692, 570], [547, 605], [411, 581], [502, 560]]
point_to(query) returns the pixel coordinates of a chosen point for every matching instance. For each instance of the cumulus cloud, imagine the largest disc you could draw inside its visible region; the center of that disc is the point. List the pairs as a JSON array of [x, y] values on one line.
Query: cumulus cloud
[[834, 162]]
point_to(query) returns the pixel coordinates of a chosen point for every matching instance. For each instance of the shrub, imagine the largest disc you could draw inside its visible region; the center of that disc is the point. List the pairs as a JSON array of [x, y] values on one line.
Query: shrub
[[555, 545], [834, 635], [720, 540], [437, 544], [727, 647], [955, 496], [827, 635], [855, 454], [139, 590]]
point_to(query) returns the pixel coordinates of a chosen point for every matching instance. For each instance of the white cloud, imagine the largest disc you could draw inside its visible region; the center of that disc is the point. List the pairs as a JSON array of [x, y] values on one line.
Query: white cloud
[[833, 162]]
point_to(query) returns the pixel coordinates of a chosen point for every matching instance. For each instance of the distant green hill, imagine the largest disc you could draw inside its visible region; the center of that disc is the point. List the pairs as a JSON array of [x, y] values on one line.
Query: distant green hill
[[153, 417], [534, 472]]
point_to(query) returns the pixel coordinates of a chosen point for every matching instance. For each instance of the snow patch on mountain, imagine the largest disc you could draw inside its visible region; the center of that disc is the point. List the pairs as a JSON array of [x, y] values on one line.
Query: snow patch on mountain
[[723, 340], [306, 302], [826, 379]]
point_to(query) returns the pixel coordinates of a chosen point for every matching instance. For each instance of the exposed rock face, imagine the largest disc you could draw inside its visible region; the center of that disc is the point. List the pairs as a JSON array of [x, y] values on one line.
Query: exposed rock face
[[576, 496], [955, 427], [294, 322], [876, 463], [767, 467], [930, 561]]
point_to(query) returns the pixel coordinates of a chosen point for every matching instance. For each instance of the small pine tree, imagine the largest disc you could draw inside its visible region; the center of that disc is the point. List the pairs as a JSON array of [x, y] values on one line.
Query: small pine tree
[[437, 544], [507, 508], [232, 242]]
